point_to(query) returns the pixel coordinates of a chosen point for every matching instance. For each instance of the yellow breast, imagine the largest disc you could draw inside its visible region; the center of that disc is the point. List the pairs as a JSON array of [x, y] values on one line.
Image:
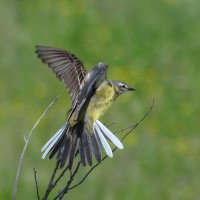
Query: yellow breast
[[100, 102]]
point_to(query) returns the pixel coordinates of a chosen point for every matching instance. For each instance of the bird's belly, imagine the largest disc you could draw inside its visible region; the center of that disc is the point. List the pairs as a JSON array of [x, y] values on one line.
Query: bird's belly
[[100, 102]]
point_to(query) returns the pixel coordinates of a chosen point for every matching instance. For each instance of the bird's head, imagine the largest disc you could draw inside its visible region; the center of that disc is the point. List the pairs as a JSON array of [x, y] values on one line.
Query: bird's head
[[121, 87]]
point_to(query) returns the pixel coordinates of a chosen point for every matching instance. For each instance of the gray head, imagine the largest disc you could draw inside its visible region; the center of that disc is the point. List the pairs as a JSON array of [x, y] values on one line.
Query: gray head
[[121, 87]]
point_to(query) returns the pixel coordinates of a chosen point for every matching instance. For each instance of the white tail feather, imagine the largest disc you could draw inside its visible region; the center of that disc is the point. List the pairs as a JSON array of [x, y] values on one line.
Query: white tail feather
[[104, 143], [110, 135], [50, 143]]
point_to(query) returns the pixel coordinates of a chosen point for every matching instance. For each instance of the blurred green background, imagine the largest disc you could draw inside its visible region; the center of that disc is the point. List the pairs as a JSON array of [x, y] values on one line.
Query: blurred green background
[[153, 46]]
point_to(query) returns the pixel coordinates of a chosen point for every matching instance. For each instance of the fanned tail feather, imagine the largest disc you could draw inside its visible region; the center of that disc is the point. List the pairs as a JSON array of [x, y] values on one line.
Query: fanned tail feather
[[50, 143], [94, 142], [103, 141], [89, 146], [69, 140], [66, 151], [103, 133], [110, 135]]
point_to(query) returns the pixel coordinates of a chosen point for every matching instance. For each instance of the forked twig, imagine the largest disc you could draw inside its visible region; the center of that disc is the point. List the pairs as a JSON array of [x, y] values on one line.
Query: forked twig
[[132, 127], [51, 184], [25, 147], [36, 183], [53, 180], [68, 186], [71, 178]]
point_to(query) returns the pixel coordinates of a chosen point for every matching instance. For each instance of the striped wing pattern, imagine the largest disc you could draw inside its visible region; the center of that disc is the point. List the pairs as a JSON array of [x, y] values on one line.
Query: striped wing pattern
[[67, 67]]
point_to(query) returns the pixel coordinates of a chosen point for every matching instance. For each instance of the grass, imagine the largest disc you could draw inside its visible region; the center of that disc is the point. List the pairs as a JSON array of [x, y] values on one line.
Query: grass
[[153, 46]]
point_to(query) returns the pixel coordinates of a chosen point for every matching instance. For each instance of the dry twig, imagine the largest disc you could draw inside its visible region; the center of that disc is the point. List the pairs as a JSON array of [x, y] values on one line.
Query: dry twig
[[36, 183], [53, 180], [52, 183], [25, 147]]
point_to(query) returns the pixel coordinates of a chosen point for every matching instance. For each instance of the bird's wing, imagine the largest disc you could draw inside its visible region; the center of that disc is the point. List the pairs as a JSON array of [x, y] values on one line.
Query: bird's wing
[[67, 67], [90, 83]]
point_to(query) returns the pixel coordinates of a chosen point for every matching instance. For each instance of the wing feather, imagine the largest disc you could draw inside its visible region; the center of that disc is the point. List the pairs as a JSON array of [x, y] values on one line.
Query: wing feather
[[67, 67]]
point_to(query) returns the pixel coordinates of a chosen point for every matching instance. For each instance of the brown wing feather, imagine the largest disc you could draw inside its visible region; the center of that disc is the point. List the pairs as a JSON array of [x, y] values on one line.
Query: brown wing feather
[[67, 67]]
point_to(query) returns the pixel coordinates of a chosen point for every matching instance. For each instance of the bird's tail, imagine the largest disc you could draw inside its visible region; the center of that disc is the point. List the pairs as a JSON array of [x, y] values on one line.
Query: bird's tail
[[92, 143], [68, 141], [64, 143], [104, 133]]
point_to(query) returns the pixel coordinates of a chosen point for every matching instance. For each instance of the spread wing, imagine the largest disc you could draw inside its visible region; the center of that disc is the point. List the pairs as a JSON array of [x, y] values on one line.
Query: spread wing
[[67, 67]]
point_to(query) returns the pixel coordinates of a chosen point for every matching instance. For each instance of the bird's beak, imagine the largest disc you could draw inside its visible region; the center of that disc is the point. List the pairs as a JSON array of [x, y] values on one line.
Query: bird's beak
[[131, 89]]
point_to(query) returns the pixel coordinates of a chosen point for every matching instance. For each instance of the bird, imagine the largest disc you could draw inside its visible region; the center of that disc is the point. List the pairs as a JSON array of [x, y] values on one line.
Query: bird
[[91, 95]]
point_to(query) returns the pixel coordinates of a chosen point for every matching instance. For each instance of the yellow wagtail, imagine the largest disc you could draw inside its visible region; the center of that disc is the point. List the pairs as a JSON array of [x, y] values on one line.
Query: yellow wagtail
[[91, 94]]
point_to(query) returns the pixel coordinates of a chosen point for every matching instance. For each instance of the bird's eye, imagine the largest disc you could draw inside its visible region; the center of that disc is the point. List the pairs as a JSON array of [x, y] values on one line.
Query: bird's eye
[[123, 86]]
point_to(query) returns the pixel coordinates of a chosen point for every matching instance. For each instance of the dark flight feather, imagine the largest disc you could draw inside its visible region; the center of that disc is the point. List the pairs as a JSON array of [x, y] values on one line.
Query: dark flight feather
[[95, 147], [88, 150], [65, 65], [74, 144], [82, 151], [66, 152]]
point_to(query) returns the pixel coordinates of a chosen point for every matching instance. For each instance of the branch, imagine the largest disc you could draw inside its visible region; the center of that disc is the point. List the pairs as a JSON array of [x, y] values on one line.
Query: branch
[[36, 183], [52, 183], [25, 147], [132, 127], [66, 188]]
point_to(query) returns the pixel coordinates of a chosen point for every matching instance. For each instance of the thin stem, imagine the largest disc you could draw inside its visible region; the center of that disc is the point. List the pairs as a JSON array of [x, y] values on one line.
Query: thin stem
[[51, 184], [36, 183], [132, 127], [66, 188], [25, 147]]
